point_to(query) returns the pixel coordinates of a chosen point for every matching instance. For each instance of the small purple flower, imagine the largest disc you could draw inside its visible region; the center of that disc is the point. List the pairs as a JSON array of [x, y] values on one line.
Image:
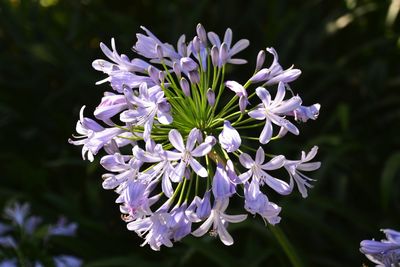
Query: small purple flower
[[18, 213], [294, 167], [117, 163], [9, 263], [8, 242], [230, 51], [218, 220], [121, 62], [275, 74], [229, 138], [257, 170], [222, 187], [240, 92], [187, 153], [271, 111], [179, 223], [111, 104], [257, 202], [67, 261], [92, 136], [146, 46], [63, 228], [135, 200], [155, 228], [304, 113], [385, 253], [151, 103]]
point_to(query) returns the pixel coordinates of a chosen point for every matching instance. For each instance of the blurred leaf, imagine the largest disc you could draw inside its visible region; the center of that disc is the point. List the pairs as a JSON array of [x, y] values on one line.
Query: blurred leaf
[[391, 169]]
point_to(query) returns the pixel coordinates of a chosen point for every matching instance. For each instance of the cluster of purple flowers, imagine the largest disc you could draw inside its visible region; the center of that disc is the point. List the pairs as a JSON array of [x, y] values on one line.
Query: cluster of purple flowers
[[385, 253], [172, 137], [23, 227]]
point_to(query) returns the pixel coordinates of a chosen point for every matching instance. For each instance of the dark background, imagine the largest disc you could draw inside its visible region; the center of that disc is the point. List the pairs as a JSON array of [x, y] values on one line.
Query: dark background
[[348, 52]]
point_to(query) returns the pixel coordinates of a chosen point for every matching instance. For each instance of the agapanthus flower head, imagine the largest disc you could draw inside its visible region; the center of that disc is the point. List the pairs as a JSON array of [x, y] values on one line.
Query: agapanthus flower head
[[181, 139], [385, 253]]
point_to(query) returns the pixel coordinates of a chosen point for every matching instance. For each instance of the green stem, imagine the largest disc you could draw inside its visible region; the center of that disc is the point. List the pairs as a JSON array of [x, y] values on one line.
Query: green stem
[[287, 246], [182, 191]]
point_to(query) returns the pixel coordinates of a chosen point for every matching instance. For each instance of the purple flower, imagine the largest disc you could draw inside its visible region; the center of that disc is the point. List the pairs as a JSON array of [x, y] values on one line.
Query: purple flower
[[218, 220], [117, 163], [294, 167], [111, 104], [150, 104], [122, 62], [257, 170], [67, 261], [135, 200], [187, 153], [304, 113], [63, 228], [18, 213], [240, 92], [167, 109], [271, 111], [229, 138], [179, 223], [147, 46], [222, 187], [155, 229], [225, 47], [257, 202], [8, 242], [92, 136], [9, 263], [385, 253], [275, 74]]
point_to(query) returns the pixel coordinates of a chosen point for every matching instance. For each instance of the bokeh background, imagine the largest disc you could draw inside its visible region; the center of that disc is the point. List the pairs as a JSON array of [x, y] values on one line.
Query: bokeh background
[[348, 51]]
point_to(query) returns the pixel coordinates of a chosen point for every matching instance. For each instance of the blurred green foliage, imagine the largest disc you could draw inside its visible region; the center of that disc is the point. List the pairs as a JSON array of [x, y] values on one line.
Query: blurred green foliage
[[348, 51]]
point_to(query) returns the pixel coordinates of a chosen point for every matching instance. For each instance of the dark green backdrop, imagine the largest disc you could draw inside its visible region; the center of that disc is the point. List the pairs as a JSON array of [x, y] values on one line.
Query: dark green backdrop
[[349, 53]]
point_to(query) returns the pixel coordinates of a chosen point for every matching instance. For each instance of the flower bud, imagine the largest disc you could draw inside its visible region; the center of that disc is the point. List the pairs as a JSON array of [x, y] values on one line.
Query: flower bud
[[159, 51], [260, 60], [214, 56], [223, 54], [229, 138], [210, 97], [185, 86], [188, 64], [177, 70], [201, 33], [196, 44], [153, 73], [194, 76]]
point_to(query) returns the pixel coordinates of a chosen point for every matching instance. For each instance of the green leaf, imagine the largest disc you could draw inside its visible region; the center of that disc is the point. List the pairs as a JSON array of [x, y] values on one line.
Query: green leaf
[[389, 172]]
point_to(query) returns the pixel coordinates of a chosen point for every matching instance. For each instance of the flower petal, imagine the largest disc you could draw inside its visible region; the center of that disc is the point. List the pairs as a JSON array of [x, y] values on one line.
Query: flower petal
[[198, 168], [260, 156], [246, 160], [176, 140], [223, 234], [266, 133], [205, 226], [202, 150]]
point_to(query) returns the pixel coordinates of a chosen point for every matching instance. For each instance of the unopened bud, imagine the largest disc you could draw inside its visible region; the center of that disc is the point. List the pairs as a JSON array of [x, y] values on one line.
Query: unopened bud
[[185, 86], [210, 97]]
